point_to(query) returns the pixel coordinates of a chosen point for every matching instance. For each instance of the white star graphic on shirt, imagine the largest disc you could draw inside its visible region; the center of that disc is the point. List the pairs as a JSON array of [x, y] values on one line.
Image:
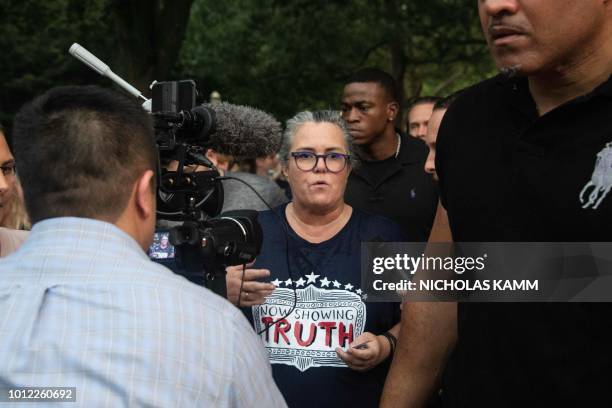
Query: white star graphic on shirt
[[324, 282], [276, 282], [288, 282], [312, 278], [300, 282], [336, 284], [358, 291], [348, 286], [365, 296]]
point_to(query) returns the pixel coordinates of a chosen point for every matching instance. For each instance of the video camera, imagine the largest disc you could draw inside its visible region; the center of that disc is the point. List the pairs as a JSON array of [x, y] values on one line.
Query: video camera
[[191, 199]]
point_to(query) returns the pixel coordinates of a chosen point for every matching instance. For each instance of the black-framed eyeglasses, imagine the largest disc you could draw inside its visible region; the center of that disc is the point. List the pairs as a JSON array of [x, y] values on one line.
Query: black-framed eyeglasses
[[307, 161]]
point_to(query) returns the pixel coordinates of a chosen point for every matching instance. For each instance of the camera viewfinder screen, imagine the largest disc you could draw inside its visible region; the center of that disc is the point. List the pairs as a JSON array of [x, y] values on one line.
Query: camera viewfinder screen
[[161, 247]]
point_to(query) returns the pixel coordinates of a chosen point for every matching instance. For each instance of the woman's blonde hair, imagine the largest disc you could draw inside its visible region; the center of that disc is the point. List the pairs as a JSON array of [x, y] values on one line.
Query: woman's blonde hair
[[15, 215]]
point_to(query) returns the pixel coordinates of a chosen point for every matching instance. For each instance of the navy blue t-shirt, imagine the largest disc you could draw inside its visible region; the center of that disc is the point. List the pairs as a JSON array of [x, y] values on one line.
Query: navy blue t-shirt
[[331, 311]]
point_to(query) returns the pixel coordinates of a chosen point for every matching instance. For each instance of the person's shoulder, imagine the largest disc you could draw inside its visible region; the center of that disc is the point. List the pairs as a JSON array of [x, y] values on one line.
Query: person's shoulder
[[378, 227], [192, 296], [250, 178], [476, 96], [10, 240], [485, 86], [257, 180], [272, 217], [193, 310], [269, 190], [412, 149], [468, 114]]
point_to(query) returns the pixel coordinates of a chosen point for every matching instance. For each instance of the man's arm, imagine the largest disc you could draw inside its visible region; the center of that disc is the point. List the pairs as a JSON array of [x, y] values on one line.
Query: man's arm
[[428, 335], [440, 230], [252, 381]]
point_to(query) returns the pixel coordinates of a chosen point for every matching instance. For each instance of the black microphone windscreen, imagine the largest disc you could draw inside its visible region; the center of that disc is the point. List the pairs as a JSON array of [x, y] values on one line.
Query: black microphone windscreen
[[244, 132]]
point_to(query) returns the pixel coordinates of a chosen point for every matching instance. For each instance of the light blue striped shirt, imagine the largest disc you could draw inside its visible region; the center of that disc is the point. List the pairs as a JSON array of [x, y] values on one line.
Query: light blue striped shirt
[[81, 305]]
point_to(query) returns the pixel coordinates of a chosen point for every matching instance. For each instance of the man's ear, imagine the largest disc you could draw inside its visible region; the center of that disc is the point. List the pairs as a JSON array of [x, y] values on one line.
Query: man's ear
[[392, 110], [145, 197]]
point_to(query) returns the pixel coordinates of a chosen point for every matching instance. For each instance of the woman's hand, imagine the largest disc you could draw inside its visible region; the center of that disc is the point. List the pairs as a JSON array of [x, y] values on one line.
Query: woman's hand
[[365, 352], [253, 292]]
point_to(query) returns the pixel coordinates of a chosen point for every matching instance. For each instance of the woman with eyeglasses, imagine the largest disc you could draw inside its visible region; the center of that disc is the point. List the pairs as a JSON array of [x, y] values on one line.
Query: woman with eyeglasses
[[332, 348]]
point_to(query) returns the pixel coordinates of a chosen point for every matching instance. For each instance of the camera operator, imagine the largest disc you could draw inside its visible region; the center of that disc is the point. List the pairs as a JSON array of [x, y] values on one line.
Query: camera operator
[[239, 196], [87, 308]]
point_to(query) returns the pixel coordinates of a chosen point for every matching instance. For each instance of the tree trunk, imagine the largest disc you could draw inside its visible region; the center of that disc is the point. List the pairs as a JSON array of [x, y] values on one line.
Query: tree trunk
[[150, 34], [398, 67], [398, 56]]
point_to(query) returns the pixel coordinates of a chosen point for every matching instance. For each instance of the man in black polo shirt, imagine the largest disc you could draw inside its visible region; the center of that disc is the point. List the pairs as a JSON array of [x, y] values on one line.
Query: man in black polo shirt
[[523, 157], [391, 180]]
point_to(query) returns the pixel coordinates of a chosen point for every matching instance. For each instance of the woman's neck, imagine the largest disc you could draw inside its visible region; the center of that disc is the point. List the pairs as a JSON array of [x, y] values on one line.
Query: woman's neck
[[315, 226]]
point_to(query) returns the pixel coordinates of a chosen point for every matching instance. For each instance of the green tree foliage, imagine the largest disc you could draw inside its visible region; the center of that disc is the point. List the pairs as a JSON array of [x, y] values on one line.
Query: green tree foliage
[[284, 56], [139, 39], [279, 55], [34, 39]]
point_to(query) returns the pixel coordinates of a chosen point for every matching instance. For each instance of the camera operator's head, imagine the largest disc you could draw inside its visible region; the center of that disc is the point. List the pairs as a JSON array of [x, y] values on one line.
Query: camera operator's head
[[88, 152]]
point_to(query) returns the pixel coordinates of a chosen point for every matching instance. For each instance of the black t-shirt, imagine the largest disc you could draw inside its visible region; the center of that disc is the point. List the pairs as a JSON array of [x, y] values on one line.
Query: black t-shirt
[[507, 174], [331, 312], [397, 188]]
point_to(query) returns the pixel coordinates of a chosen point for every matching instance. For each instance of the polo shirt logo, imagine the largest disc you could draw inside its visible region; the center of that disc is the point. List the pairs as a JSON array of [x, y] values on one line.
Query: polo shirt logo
[[601, 180]]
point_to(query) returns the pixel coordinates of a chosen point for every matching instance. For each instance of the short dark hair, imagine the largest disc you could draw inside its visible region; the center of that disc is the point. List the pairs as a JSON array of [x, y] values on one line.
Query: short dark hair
[[382, 78], [80, 149], [420, 100], [444, 103]]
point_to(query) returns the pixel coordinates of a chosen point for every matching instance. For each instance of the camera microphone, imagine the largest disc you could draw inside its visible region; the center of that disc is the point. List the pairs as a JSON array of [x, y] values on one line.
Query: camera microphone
[[243, 131], [239, 131], [235, 130]]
